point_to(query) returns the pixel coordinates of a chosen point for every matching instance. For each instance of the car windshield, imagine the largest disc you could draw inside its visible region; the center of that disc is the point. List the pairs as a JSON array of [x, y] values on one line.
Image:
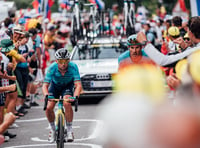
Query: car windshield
[[97, 51]]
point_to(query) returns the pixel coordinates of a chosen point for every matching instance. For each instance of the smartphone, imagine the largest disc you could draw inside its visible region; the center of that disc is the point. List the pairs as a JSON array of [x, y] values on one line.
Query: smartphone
[[2, 67]]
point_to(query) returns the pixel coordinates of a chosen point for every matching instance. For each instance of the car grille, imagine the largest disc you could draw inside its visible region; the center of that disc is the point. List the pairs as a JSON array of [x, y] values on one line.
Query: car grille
[[86, 82]]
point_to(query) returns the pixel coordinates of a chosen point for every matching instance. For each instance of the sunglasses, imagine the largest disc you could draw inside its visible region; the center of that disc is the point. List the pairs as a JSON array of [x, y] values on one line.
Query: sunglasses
[[186, 39], [62, 61]]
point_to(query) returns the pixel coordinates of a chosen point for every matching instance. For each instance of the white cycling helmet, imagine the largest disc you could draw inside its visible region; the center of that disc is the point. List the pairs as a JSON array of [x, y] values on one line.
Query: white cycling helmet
[[62, 53]]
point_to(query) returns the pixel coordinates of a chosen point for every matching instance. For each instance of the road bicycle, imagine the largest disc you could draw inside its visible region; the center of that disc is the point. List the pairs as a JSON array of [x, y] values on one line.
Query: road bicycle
[[90, 31], [76, 27], [60, 118], [129, 17]]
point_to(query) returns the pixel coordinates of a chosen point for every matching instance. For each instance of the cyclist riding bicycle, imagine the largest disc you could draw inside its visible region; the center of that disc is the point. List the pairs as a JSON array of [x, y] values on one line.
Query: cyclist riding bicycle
[[62, 78], [134, 55]]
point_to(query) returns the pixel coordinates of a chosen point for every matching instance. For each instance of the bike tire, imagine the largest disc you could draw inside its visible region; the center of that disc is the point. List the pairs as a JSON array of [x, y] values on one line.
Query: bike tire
[[60, 133]]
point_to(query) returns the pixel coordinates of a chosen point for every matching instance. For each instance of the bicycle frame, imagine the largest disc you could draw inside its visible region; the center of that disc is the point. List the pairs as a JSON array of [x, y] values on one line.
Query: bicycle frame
[[125, 14], [60, 112], [60, 118], [76, 11], [60, 124], [132, 13], [129, 17], [75, 26]]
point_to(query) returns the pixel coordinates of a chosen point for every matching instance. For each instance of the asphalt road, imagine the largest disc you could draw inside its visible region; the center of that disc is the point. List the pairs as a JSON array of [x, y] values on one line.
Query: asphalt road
[[33, 129]]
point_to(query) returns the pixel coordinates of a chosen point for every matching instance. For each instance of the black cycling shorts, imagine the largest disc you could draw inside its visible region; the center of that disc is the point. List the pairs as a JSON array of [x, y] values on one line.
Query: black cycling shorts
[[55, 91]]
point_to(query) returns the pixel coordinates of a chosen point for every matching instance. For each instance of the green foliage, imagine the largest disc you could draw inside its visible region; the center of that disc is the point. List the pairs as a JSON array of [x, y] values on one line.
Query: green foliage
[[23, 3], [55, 6]]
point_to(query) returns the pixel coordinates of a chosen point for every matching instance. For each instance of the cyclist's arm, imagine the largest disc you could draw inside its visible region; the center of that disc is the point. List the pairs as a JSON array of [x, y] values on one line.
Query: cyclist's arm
[[78, 88], [45, 88], [77, 81], [164, 60]]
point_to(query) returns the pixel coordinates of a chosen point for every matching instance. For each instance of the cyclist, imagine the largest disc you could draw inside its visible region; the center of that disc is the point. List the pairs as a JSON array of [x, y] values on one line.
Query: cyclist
[[134, 55], [62, 78]]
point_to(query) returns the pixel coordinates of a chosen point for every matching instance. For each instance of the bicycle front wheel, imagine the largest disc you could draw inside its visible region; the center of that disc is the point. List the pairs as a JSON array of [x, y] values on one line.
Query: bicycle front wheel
[[60, 133]]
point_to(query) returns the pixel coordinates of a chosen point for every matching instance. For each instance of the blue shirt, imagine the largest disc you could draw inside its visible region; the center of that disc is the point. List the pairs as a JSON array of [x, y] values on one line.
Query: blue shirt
[[54, 75], [36, 42]]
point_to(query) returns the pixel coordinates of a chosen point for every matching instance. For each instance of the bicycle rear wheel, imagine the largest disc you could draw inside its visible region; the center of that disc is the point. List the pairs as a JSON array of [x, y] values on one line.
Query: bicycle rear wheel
[[60, 133]]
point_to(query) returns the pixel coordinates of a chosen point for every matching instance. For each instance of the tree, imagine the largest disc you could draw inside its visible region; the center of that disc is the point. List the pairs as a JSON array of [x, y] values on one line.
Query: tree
[[23, 4]]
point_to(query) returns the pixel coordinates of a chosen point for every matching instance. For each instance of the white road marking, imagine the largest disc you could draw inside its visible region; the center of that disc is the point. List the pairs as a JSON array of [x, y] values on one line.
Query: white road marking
[[44, 145], [92, 136], [73, 127], [32, 120]]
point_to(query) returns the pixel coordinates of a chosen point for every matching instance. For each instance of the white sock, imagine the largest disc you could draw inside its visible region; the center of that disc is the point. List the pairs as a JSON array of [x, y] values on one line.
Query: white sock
[[32, 98], [18, 107], [69, 126], [53, 127]]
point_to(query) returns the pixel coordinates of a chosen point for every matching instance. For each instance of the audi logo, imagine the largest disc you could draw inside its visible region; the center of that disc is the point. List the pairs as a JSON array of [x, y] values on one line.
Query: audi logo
[[102, 76]]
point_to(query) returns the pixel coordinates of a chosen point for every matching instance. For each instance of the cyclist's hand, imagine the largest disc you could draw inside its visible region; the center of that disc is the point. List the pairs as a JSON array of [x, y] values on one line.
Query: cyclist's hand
[[72, 99]]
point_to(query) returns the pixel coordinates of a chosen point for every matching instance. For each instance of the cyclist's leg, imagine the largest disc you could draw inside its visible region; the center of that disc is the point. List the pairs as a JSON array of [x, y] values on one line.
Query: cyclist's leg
[[51, 118], [68, 109], [50, 111], [68, 115], [53, 93], [68, 92]]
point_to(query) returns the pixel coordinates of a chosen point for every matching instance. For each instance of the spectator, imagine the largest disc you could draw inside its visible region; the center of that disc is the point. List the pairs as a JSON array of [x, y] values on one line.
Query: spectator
[[177, 22]]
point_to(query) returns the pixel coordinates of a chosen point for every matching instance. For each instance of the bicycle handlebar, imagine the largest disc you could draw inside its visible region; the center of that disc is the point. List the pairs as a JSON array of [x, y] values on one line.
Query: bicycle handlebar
[[45, 102], [74, 98], [76, 104]]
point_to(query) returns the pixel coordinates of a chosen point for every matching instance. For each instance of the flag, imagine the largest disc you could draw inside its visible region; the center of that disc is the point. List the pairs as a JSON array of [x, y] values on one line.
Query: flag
[[182, 5], [92, 1], [64, 4], [180, 9], [37, 5], [100, 4], [195, 7], [48, 6]]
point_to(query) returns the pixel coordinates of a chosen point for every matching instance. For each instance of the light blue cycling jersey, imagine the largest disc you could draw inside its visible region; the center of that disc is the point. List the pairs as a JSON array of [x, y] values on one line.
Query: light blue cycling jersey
[[53, 75], [126, 55]]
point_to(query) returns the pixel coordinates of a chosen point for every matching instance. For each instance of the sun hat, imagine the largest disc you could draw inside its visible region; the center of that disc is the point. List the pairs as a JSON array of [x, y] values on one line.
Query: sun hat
[[194, 66], [181, 68], [51, 27], [6, 45], [18, 29], [173, 31]]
